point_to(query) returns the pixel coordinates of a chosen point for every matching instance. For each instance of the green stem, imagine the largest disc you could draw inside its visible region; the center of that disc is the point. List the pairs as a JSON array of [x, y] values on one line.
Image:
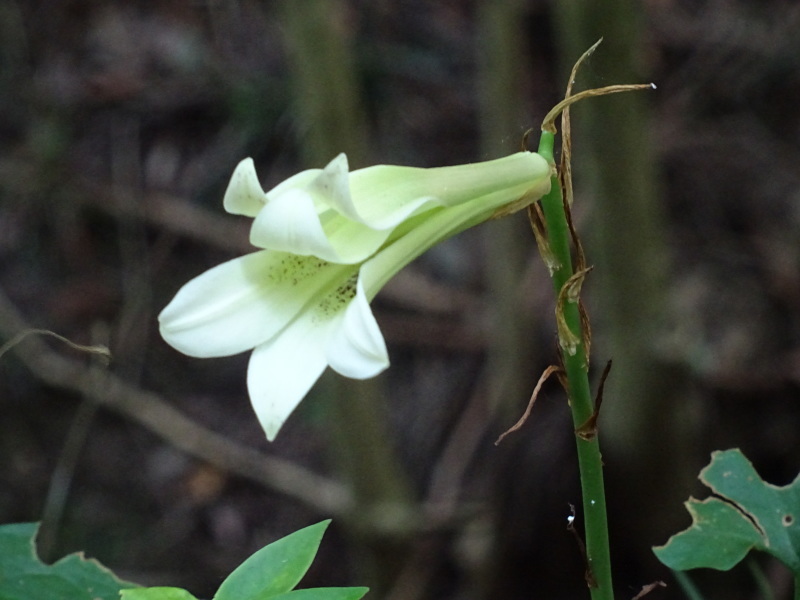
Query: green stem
[[590, 462], [797, 587], [687, 585], [762, 581]]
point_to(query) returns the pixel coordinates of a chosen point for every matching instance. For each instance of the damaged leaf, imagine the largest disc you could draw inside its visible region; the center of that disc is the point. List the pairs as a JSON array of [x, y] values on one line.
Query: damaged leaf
[[745, 513], [23, 576]]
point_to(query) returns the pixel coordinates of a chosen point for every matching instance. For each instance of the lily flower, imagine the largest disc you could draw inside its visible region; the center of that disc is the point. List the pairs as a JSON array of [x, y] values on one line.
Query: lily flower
[[330, 240]]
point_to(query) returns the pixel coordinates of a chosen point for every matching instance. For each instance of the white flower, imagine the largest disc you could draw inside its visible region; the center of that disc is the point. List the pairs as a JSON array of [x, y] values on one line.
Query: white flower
[[331, 239]]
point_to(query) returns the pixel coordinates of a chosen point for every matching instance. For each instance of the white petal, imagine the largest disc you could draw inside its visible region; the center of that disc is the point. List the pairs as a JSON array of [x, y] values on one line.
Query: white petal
[[379, 201], [283, 370], [289, 223], [244, 302], [244, 195], [313, 215], [300, 180], [331, 188], [356, 348]]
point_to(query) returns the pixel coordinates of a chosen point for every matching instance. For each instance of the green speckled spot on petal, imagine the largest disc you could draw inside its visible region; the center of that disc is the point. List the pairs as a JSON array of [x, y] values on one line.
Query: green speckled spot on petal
[[294, 270], [336, 301]]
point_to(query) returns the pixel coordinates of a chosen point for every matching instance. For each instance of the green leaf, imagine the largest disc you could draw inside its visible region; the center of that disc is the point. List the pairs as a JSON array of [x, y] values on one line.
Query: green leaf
[[276, 568], [718, 539], [746, 514], [23, 576], [353, 593], [156, 593]]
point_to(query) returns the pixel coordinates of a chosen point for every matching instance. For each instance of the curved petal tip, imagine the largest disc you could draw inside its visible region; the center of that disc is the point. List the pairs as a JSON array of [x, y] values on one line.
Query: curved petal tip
[[244, 195]]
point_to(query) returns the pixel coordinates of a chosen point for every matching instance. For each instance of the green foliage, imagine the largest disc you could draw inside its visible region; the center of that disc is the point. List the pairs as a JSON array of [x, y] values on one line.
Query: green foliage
[[744, 514], [23, 576], [273, 571], [156, 593], [269, 574], [276, 568], [323, 594]]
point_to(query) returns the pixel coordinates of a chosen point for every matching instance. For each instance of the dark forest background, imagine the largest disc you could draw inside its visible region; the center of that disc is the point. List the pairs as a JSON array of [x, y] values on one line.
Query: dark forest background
[[120, 125]]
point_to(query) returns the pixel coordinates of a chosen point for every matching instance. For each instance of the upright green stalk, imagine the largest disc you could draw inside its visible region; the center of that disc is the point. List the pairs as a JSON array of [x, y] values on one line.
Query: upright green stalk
[[577, 371], [687, 586], [651, 409]]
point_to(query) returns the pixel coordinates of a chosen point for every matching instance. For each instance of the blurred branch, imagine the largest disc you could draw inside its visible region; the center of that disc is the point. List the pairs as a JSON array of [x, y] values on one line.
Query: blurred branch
[[172, 214], [327, 97], [167, 211], [152, 412], [329, 109], [508, 243], [134, 251]]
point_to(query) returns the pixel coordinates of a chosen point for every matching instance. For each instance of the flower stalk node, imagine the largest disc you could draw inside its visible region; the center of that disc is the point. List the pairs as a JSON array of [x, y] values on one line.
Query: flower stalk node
[[570, 293], [588, 430]]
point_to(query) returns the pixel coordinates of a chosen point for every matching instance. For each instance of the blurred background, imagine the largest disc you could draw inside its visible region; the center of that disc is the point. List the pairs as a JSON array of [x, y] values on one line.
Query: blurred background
[[120, 125]]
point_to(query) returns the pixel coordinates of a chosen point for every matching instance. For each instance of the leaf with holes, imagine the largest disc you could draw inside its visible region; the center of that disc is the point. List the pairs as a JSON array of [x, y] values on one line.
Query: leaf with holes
[[746, 513], [24, 577]]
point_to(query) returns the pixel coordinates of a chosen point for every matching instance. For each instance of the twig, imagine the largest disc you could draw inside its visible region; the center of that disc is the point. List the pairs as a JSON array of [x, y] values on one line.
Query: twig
[[646, 589], [587, 574], [155, 414], [24, 333], [64, 470]]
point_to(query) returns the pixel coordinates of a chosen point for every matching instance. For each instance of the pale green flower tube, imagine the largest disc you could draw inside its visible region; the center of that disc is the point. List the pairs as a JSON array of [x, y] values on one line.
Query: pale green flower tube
[[331, 239]]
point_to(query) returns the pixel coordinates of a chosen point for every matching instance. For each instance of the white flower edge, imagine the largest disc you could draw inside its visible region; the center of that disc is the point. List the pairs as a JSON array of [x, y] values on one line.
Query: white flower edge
[[300, 314], [244, 302], [283, 370], [345, 218]]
